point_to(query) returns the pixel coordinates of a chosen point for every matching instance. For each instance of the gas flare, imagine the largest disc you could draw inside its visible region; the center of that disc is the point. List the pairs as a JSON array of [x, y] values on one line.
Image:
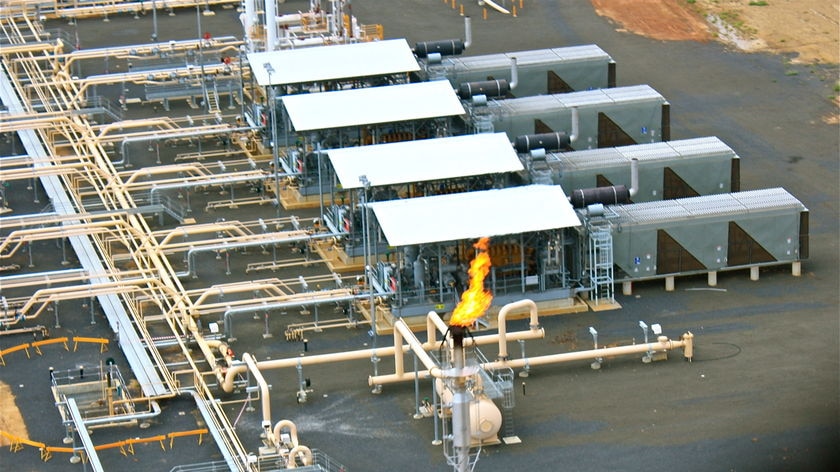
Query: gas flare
[[475, 300]]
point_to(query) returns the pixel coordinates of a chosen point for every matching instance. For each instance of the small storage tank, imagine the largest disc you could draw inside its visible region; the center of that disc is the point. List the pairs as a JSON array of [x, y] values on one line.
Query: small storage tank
[[618, 116], [485, 417], [667, 170], [709, 233]]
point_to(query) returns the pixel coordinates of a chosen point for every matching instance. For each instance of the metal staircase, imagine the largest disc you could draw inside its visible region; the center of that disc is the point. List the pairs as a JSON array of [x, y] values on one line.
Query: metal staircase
[[600, 263], [211, 99]]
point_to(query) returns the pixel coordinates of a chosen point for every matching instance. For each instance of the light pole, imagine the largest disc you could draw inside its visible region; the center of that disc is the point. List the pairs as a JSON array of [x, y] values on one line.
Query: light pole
[[154, 21], [275, 152], [366, 243]]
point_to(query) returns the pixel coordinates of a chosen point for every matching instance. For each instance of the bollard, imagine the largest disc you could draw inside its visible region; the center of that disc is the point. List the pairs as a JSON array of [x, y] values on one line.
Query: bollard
[[712, 278]]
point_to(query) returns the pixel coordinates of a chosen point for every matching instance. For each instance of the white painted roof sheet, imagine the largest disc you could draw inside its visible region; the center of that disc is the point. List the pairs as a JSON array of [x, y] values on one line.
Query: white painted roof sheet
[[425, 160], [323, 63], [717, 207], [569, 55], [373, 105], [684, 149], [472, 215]]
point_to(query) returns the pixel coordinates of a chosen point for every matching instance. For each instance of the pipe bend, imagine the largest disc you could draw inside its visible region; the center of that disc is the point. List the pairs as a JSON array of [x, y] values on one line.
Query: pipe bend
[[634, 177], [293, 455], [502, 321], [292, 427]]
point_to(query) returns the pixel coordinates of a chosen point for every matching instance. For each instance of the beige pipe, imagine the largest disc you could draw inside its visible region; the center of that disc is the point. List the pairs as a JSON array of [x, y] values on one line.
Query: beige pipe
[[526, 303], [398, 354], [687, 343], [230, 289], [293, 455], [226, 378], [183, 231], [662, 344], [405, 332], [434, 323], [265, 399], [223, 349], [233, 371], [278, 428]]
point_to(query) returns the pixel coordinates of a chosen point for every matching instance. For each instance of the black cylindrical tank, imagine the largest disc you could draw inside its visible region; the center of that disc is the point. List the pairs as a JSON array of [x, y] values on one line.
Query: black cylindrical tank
[[446, 47], [549, 141], [490, 88], [612, 195]]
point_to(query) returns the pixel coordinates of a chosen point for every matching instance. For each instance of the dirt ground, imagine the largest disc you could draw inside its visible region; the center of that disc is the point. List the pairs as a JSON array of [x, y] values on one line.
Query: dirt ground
[[11, 420], [808, 30]]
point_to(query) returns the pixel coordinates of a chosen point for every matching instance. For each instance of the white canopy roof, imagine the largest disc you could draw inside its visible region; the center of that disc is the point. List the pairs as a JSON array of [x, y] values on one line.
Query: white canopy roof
[[323, 63], [424, 160], [472, 215], [373, 105]]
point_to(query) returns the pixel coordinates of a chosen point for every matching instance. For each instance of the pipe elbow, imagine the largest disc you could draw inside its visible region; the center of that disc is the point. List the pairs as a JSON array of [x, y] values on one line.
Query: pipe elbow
[[288, 424], [467, 32], [575, 125], [514, 73], [299, 451], [634, 177]]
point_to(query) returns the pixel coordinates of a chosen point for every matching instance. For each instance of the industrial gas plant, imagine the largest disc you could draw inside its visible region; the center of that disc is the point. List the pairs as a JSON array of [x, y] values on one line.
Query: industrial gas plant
[[195, 192]]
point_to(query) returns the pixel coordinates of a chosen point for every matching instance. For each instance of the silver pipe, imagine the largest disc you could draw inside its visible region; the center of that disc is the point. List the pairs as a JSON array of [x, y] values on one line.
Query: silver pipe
[[278, 305], [575, 126], [226, 180], [514, 73], [185, 134], [227, 246], [460, 408], [467, 32], [270, 26], [634, 177], [155, 410]]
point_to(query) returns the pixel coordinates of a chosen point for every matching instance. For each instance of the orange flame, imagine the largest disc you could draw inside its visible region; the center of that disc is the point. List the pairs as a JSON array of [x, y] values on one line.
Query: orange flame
[[476, 300]]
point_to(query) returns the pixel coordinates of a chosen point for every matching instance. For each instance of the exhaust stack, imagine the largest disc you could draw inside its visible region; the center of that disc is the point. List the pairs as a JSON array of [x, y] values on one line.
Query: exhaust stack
[[460, 401], [634, 177], [514, 73], [467, 32], [575, 126]]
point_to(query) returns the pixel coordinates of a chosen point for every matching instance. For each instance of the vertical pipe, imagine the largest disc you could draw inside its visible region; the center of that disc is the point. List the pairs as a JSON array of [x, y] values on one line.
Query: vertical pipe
[[514, 73], [502, 322], [248, 23], [270, 26], [467, 30], [398, 353], [460, 403], [264, 396]]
